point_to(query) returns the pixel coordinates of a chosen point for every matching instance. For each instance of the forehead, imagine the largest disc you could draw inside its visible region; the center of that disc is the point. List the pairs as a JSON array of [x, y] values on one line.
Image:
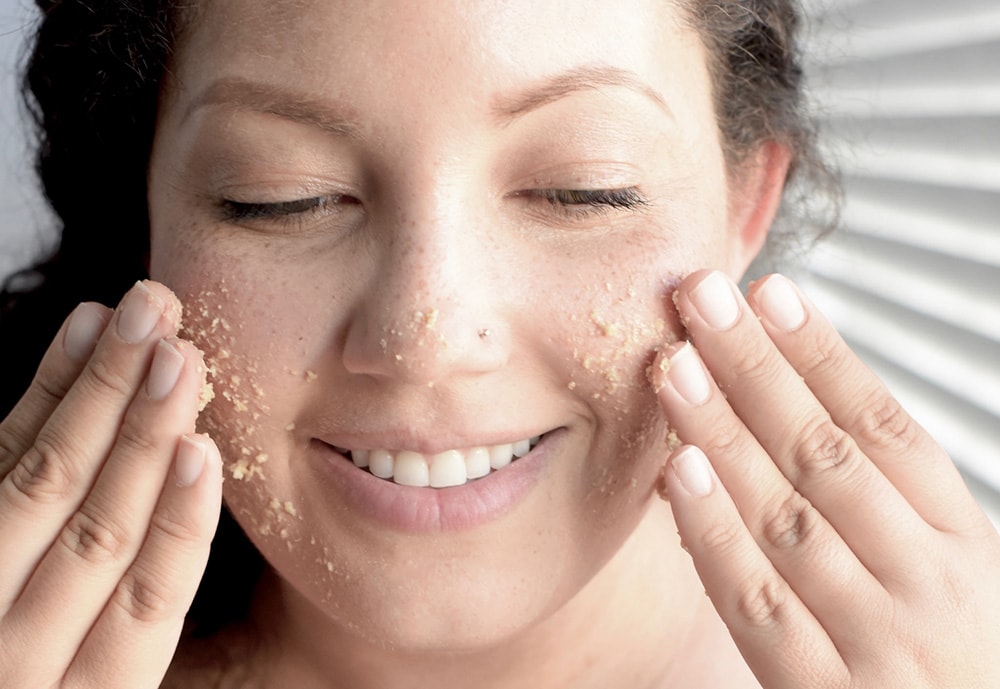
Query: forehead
[[447, 49]]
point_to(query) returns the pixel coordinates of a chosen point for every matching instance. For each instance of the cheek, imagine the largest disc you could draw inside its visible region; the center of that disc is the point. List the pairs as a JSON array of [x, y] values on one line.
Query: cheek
[[603, 336], [615, 313], [253, 341], [259, 372]]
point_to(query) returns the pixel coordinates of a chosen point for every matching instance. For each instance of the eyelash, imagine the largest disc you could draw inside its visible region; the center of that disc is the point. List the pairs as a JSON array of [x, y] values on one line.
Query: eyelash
[[585, 202], [576, 203], [317, 205]]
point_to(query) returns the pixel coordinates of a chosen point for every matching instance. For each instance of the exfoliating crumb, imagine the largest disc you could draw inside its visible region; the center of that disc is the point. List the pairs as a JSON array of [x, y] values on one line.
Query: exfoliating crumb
[[673, 442], [426, 319], [656, 372], [205, 395], [174, 310]]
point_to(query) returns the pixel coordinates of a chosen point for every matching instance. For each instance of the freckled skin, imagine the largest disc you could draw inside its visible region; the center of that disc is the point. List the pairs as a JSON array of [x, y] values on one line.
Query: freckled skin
[[372, 318]]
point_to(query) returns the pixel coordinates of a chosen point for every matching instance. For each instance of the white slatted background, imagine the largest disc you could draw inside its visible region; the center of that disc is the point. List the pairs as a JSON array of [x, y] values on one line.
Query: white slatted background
[[910, 96]]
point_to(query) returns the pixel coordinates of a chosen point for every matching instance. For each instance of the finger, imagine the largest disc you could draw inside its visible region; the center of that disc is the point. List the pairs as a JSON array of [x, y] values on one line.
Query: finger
[[860, 404], [55, 473], [78, 574], [797, 433], [136, 635], [60, 366], [800, 543], [781, 641]]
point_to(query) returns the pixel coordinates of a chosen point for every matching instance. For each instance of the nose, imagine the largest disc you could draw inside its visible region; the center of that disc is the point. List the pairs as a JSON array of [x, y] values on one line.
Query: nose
[[433, 309]]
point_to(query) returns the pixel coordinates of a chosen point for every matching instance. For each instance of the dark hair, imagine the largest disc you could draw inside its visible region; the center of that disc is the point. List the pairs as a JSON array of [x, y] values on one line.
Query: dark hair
[[755, 59], [91, 86]]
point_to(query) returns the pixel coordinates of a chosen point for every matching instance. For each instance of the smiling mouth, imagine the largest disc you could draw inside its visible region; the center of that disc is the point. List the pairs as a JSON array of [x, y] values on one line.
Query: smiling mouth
[[441, 470]]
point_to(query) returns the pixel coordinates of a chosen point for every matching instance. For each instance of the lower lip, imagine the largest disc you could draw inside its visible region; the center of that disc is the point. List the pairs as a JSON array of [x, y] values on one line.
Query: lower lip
[[421, 510]]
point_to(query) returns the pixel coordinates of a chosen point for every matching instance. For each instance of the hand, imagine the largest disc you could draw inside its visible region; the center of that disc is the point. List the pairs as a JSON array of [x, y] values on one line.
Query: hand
[[833, 535], [109, 501]]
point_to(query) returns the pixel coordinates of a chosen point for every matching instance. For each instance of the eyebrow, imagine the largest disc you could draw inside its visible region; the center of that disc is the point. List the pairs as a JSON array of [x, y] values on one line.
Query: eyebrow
[[583, 78], [276, 100], [339, 120]]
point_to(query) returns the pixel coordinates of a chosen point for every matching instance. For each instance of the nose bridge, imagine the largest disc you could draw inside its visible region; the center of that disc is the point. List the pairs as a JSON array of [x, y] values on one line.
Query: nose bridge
[[430, 313], [429, 247]]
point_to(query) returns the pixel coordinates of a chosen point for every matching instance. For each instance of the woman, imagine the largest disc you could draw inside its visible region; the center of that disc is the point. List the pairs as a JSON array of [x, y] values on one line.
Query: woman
[[442, 262]]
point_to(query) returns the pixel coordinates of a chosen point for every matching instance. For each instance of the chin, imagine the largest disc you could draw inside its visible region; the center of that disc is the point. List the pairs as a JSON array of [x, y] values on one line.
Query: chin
[[430, 593]]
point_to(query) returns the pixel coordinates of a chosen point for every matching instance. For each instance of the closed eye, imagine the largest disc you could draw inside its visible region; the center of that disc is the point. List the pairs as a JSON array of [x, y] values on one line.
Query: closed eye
[[584, 201], [318, 205], [616, 198]]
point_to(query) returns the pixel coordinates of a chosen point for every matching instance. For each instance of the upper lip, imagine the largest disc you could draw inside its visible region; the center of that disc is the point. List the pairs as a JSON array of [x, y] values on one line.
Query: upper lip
[[426, 443]]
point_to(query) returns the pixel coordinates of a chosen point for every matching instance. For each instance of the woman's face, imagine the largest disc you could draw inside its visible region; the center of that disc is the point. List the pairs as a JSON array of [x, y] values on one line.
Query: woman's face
[[432, 231]]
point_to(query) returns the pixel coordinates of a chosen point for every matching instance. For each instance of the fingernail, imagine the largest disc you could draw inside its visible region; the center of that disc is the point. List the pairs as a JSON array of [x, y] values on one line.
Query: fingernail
[[85, 327], [687, 375], [139, 313], [715, 301], [190, 461], [164, 371], [780, 303], [692, 470]]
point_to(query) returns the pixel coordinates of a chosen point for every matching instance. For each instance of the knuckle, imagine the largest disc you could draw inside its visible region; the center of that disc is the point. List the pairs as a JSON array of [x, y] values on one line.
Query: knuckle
[[825, 448], [762, 603], [106, 378], [821, 357], [95, 540], [49, 388], [144, 598], [885, 424], [792, 523], [10, 445], [16, 434], [133, 437], [727, 440], [721, 538], [44, 474], [750, 365], [177, 526]]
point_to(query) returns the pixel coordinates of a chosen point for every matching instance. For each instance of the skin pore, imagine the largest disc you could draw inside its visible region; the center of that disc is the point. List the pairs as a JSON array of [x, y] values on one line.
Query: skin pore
[[366, 216]]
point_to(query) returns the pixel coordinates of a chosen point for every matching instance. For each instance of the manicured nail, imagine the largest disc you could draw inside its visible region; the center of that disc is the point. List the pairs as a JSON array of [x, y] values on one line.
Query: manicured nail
[[190, 461], [687, 376], [692, 470], [85, 327], [715, 301], [780, 303], [139, 313], [164, 371]]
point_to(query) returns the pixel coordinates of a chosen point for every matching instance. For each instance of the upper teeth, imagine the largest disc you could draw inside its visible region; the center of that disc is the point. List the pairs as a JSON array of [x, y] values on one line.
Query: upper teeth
[[448, 468]]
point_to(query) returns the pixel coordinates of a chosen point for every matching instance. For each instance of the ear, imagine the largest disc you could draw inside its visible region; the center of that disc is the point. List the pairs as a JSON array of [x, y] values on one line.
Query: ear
[[756, 188]]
